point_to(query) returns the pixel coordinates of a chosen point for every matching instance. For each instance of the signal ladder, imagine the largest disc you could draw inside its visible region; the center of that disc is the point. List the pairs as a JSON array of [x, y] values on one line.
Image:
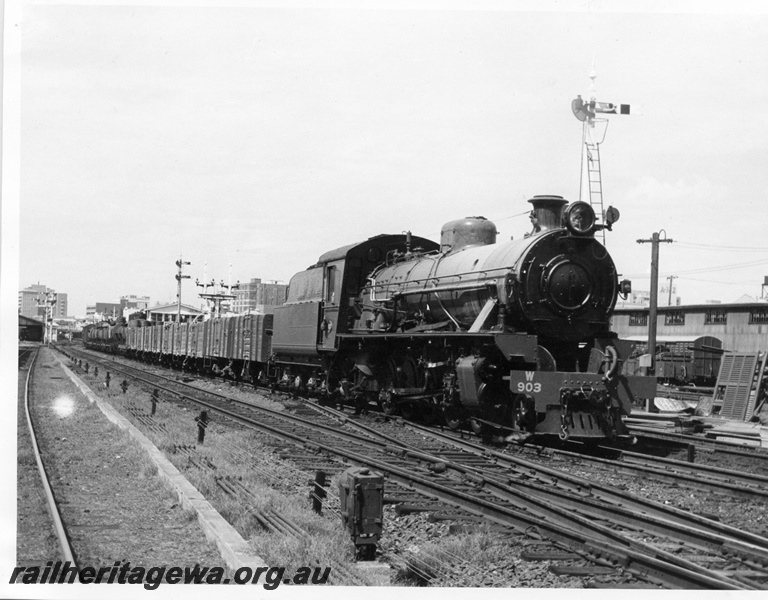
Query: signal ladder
[[594, 134]]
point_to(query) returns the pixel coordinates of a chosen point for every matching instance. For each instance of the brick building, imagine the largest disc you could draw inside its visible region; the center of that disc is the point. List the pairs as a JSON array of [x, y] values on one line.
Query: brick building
[[258, 296]]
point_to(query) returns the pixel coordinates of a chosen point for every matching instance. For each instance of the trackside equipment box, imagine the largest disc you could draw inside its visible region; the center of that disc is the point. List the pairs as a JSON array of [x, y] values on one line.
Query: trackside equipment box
[[361, 493]]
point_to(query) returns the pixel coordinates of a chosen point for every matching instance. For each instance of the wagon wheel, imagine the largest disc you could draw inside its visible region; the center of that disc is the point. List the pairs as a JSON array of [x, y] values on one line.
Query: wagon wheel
[[452, 417], [476, 425], [388, 406]]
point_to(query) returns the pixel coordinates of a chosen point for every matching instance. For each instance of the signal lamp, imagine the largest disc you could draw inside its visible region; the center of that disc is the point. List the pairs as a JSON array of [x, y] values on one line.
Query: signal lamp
[[625, 288], [611, 216]]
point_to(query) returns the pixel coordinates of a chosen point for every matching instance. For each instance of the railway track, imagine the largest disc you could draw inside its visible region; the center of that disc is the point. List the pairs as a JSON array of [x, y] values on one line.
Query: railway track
[[596, 522], [685, 439], [50, 499], [648, 516], [25, 353], [686, 474], [711, 478]]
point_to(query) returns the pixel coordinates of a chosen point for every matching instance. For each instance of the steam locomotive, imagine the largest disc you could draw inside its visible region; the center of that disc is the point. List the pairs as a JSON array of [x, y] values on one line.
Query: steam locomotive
[[509, 337]]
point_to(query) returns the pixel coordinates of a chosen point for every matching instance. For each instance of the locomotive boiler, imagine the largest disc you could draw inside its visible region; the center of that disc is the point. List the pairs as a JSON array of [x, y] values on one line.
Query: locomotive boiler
[[509, 336]]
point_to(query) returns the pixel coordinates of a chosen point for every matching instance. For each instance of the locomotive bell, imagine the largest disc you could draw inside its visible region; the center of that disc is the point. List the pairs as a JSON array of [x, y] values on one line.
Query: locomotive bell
[[467, 233], [547, 212]]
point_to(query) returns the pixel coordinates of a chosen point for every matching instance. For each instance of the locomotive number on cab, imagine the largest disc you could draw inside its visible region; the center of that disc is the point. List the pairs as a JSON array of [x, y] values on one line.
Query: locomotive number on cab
[[529, 385]]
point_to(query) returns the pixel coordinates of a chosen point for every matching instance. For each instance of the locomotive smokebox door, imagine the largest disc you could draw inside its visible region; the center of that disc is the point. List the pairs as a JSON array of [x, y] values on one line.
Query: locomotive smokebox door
[[361, 494]]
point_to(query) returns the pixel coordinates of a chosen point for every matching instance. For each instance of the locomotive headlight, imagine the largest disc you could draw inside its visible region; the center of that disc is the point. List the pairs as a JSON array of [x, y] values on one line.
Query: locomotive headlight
[[580, 218]]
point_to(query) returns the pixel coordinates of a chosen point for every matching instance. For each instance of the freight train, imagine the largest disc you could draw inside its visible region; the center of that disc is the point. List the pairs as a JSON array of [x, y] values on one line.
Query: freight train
[[509, 337]]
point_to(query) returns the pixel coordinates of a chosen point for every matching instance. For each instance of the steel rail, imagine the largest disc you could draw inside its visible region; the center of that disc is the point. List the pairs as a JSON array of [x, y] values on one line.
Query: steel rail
[[559, 521], [749, 542], [132, 372], [663, 522], [694, 467], [759, 455], [668, 568], [638, 521], [684, 438], [50, 499], [606, 547], [735, 483]]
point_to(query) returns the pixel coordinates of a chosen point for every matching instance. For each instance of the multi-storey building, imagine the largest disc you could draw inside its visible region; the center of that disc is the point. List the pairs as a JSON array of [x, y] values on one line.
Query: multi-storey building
[[31, 297], [258, 296]]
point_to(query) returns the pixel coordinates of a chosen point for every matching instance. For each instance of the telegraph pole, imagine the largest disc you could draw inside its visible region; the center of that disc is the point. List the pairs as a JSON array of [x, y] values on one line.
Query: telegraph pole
[[180, 264], [671, 277], [654, 241]]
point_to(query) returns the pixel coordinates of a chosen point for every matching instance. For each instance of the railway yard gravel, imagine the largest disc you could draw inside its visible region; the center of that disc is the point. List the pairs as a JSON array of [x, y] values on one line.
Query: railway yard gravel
[[113, 503], [747, 514]]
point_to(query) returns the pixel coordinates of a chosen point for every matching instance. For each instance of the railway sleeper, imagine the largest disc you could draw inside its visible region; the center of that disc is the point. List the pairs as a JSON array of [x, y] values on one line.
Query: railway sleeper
[[458, 529], [409, 508], [549, 555], [581, 570]]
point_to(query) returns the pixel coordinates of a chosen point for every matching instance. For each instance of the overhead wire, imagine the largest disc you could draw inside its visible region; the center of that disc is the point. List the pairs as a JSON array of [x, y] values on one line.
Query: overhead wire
[[742, 283], [527, 212], [718, 247], [709, 269]]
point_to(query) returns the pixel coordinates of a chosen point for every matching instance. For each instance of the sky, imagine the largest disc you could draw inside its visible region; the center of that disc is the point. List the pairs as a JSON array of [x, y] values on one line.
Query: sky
[[263, 135]]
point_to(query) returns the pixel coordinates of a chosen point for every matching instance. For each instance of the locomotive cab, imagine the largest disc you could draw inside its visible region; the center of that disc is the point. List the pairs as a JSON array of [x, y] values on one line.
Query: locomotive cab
[[323, 301]]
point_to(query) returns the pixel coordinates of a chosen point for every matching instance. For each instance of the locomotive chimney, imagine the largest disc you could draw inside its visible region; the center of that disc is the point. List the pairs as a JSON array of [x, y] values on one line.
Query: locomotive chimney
[[547, 212]]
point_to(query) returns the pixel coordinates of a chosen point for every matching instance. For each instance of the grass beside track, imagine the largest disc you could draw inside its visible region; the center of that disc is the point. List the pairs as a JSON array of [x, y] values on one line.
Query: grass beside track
[[234, 452]]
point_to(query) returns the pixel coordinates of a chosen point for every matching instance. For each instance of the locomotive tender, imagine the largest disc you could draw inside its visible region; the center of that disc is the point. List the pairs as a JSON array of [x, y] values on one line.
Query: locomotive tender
[[510, 337]]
